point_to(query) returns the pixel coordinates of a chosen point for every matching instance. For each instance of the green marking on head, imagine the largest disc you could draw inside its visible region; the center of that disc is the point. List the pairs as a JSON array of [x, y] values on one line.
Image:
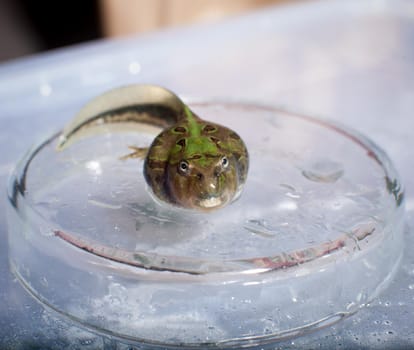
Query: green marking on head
[[196, 147], [200, 145], [187, 112], [194, 125]]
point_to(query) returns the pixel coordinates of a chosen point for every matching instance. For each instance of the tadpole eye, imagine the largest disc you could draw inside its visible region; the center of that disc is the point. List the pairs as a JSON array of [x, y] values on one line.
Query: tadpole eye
[[224, 162], [183, 167]]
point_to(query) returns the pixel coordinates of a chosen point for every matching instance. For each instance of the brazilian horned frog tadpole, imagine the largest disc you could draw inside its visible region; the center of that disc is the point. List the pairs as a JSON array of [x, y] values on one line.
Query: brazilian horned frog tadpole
[[192, 163]]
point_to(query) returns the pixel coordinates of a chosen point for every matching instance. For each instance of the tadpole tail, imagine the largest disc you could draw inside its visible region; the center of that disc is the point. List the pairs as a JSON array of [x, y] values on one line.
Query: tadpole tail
[[134, 104]]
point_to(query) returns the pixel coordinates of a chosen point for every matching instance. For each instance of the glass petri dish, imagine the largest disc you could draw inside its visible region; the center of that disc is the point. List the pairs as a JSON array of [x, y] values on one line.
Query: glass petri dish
[[315, 235]]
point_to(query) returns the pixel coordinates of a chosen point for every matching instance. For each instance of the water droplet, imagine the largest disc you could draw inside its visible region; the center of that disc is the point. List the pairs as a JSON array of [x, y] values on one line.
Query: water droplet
[[86, 342], [350, 305], [291, 191], [411, 286], [259, 227], [44, 282], [323, 171], [292, 195]]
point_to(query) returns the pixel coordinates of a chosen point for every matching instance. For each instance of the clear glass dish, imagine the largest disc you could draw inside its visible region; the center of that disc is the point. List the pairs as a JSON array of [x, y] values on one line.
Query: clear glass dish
[[316, 234]]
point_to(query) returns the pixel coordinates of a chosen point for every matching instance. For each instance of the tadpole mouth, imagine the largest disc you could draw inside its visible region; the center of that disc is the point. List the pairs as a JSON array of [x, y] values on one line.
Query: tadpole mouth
[[212, 201]]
